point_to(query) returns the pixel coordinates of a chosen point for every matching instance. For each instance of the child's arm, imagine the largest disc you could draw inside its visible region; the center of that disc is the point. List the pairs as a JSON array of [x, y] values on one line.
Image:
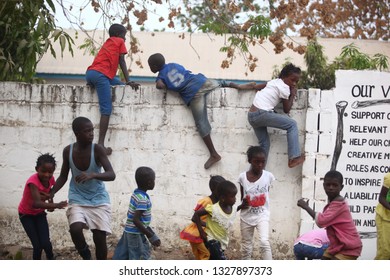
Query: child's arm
[[247, 86], [102, 159], [152, 237], [382, 197], [196, 219], [39, 200], [287, 103], [61, 180], [244, 204], [122, 64], [304, 204], [160, 85]]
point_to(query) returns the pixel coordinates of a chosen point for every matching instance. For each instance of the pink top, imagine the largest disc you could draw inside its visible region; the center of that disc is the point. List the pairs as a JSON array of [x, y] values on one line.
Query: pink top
[[25, 205], [316, 238], [107, 60], [340, 228]]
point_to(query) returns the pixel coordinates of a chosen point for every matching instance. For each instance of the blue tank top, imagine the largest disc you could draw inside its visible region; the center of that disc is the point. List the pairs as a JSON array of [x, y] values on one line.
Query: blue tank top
[[89, 193]]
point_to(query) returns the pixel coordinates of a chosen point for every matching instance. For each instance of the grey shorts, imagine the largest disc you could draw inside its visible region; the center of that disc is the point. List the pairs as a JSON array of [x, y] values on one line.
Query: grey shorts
[[198, 107], [94, 217]]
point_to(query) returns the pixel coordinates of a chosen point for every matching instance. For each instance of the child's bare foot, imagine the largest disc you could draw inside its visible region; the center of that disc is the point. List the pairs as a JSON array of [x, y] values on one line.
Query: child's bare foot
[[211, 161], [108, 150], [296, 161]]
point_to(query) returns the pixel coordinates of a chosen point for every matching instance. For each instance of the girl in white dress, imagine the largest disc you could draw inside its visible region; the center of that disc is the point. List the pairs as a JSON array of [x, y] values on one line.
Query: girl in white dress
[[255, 212]]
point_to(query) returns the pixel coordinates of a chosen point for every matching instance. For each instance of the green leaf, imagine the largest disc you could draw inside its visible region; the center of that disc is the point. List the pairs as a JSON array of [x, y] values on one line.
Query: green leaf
[[62, 43]]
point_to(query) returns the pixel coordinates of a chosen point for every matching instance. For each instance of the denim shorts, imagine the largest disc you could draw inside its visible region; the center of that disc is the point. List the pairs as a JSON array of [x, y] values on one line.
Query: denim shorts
[[132, 247], [103, 88], [198, 107]]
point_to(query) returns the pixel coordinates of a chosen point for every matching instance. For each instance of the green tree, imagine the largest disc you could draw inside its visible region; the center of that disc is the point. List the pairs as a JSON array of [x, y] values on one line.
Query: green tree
[[27, 32], [320, 74], [248, 23]]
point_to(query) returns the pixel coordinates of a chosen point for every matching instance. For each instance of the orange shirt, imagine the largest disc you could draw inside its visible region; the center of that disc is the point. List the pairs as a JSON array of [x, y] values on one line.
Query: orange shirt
[[107, 60]]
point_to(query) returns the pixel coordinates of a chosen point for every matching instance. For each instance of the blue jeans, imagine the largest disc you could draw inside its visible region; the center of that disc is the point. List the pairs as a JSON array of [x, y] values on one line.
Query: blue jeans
[[132, 247], [37, 230], [103, 88], [303, 252], [262, 119]]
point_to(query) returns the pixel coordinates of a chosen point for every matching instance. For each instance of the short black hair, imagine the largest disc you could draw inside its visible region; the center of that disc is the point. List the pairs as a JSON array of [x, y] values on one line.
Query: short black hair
[[157, 60], [335, 175], [46, 158], [288, 70], [254, 150], [143, 175], [78, 122], [226, 187], [215, 180], [116, 30]]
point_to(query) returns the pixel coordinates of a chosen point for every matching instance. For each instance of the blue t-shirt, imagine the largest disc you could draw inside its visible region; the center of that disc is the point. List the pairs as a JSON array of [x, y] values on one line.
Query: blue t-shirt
[[178, 79], [140, 201]]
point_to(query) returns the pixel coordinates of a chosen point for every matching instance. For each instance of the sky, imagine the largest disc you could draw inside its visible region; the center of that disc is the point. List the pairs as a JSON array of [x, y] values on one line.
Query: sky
[[92, 20]]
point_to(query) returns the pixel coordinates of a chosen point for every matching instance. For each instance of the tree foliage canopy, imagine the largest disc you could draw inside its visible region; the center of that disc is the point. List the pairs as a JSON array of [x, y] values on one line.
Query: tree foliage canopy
[[27, 31], [247, 23]]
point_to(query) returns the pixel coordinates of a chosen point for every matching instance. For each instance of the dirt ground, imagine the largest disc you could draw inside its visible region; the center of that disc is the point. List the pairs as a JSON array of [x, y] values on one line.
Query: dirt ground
[[17, 252], [11, 252]]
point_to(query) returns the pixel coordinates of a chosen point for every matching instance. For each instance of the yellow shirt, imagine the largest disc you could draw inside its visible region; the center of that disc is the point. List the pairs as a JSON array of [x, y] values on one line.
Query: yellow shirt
[[380, 209], [218, 224]]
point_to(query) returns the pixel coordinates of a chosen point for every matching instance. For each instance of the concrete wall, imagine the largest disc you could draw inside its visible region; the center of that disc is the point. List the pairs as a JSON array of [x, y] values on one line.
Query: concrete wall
[[149, 128]]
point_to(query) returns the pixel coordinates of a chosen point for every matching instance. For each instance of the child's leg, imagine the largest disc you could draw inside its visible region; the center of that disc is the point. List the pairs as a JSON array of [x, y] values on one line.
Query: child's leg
[[383, 239], [265, 246], [121, 249], [103, 127], [100, 240], [299, 251], [103, 89], [257, 121], [138, 247], [198, 107], [29, 225], [44, 236], [261, 119], [214, 156], [76, 233], [200, 251], [246, 240]]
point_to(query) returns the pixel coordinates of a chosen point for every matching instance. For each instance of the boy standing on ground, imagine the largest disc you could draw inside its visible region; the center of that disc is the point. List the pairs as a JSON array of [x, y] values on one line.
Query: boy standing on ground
[[89, 203], [101, 75], [134, 244]]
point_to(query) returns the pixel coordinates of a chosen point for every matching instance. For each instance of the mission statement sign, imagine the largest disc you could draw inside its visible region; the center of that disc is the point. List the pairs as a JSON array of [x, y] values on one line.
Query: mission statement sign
[[362, 145]]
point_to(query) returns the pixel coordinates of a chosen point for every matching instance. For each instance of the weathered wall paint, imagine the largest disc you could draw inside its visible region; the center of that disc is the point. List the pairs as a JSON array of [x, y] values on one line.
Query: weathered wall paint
[[149, 128]]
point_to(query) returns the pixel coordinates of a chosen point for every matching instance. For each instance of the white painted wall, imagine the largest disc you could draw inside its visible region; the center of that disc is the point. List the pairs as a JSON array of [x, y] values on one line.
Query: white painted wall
[[147, 128], [197, 52]]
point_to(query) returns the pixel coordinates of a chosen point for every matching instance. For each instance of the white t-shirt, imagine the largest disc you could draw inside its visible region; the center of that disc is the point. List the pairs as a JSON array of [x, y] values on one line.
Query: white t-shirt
[[271, 95], [257, 194]]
